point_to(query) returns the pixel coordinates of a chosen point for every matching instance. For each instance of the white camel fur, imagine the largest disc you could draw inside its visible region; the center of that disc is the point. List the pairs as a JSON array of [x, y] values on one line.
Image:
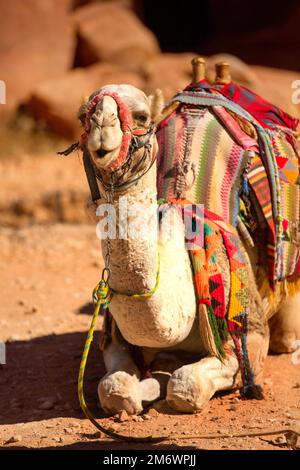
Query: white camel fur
[[165, 325]]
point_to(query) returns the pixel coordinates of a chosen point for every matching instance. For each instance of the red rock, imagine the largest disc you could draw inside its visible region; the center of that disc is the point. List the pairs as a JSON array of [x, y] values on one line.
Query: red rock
[[57, 101], [36, 43], [113, 33], [169, 72]]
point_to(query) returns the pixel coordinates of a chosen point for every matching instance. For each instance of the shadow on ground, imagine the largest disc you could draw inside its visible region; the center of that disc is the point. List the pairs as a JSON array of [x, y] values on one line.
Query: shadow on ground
[[101, 445], [86, 309], [45, 369]]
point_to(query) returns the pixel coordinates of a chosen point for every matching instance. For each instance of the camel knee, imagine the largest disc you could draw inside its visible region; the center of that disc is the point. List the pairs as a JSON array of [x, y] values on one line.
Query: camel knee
[[193, 385]]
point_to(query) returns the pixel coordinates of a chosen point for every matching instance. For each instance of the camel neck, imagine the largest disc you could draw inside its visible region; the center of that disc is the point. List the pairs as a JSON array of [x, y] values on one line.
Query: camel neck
[[134, 253]]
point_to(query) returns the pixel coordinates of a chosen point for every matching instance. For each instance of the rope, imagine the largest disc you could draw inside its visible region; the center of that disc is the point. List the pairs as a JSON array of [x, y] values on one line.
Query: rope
[[102, 296]]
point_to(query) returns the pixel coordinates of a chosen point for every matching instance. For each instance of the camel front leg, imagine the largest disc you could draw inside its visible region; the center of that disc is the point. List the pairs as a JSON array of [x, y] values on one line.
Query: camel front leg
[[191, 386], [121, 387]]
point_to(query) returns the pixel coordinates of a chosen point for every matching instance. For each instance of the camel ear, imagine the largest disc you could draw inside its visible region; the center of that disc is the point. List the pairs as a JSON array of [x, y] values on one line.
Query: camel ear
[[82, 110], [156, 105]]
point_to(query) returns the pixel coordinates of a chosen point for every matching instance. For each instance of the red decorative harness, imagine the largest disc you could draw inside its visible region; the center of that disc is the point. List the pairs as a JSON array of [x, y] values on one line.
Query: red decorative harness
[[126, 127]]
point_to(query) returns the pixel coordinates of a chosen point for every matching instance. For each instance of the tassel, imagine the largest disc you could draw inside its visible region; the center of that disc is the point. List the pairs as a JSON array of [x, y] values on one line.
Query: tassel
[[252, 392], [215, 332]]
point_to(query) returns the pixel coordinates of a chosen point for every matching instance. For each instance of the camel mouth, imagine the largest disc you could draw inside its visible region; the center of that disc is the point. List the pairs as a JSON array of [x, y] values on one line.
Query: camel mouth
[[101, 153]]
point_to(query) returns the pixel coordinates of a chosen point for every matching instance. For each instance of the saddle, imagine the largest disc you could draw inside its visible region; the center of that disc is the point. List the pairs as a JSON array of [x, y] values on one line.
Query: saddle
[[227, 148]]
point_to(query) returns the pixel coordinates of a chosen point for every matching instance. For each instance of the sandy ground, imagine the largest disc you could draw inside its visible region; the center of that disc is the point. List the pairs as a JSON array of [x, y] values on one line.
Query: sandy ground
[[47, 273], [47, 276]]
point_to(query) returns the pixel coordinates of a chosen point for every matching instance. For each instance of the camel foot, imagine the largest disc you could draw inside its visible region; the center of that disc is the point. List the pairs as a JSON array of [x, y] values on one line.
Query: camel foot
[[122, 391]]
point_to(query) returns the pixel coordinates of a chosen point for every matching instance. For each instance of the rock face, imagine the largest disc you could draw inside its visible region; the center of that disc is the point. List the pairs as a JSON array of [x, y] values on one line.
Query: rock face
[[57, 101], [169, 72], [36, 43], [113, 33]]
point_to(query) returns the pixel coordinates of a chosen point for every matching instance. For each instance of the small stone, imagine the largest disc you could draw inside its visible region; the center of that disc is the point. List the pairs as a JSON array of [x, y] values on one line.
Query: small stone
[[47, 404], [232, 408], [297, 385], [13, 439], [280, 440], [146, 417], [58, 439], [136, 418], [153, 413], [122, 416], [113, 428], [68, 430]]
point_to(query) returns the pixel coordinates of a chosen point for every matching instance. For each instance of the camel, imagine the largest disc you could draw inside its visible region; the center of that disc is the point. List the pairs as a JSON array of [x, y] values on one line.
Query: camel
[[163, 328]]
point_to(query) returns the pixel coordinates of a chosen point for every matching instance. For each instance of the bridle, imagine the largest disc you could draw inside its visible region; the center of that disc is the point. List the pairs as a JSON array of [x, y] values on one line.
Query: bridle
[[112, 178]]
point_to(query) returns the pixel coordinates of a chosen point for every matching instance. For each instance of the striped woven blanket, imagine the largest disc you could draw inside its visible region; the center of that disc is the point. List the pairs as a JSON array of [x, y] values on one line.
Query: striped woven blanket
[[214, 152]]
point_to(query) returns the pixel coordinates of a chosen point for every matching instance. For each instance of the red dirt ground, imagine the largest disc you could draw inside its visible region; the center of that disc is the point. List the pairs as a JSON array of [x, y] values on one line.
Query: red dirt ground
[[47, 275]]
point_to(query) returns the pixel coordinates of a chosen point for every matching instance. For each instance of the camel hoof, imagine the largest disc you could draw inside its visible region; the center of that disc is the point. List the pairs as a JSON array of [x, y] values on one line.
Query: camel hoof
[[120, 391], [188, 392]]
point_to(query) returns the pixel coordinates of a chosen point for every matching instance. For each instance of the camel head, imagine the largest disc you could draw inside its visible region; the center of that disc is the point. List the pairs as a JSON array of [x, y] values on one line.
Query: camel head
[[118, 122]]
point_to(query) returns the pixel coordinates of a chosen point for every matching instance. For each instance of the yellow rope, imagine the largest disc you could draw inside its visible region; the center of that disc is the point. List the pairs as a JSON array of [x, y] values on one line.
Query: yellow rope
[[102, 296]]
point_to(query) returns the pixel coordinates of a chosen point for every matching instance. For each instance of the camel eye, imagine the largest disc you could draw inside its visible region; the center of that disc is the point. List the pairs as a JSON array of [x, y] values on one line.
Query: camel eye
[[141, 117]]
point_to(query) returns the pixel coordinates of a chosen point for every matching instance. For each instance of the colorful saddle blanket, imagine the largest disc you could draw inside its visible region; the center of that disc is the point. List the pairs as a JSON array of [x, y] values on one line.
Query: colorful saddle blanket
[[237, 154], [211, 235]]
